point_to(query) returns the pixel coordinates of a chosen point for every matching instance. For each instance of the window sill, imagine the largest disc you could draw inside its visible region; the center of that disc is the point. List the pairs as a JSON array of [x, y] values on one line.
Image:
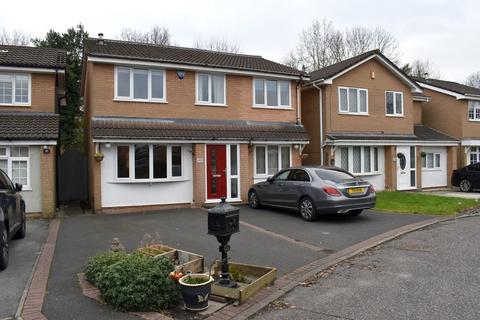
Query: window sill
[[140, 101], [14, 105], [395, 116], [26, 189], [431, 170], [147, 181], [272, 108], [474, 120], [201, 104], [378, 173], [353, 114]]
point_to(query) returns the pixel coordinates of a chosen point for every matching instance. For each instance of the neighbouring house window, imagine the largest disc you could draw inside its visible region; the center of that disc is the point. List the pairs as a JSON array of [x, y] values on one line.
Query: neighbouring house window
[[394, 103], [431, 161], [474, 155], [140, 84], [353, 100], [15, 89], [14, 161], [474, 110], [211, 89], [271, 159], [359, 160], [271, 93], [151, 162]]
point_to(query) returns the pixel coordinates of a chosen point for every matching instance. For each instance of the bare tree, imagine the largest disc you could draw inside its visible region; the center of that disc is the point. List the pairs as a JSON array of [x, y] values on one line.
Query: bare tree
[[16, 37], [220, 44], [322, 44], [473, 80], [156, 35], [292, 59], [359, 40], [421, 69]]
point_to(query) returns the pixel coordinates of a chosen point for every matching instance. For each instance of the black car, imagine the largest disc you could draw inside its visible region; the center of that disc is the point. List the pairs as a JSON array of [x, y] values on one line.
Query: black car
[[12, 216], [467, 178]]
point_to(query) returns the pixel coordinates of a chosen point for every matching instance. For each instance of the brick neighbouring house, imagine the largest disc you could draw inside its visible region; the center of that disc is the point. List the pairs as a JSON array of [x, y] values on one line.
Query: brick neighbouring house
[[365, 115], [31, 84], [184, 127]]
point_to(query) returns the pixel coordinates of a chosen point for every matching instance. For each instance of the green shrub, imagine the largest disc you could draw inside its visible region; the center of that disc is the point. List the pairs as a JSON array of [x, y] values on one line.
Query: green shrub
[[139, 283], [98, 263]]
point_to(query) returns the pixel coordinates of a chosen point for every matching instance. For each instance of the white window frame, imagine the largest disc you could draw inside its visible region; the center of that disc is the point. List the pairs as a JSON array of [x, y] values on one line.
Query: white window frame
[[11, 159], [475, 105], [266, 174], [149, 85], [209, 102], [474, 150], [358, 113], [233, 176], [435, 167], [279, 103], [151, 179], [394, 114], [13, 77], [362, 160]]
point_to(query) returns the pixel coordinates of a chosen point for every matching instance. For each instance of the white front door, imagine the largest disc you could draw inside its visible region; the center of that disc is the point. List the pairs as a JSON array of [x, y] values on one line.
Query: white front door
[[405, 168]]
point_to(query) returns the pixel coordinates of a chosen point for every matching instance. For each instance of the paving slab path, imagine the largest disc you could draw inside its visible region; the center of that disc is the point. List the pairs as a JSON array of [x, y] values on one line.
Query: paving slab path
[[428, 274]]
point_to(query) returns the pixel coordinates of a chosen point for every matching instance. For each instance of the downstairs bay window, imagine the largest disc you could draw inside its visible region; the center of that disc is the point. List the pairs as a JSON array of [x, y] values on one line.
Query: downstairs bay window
[[271, 159], [149, 162], [431, 161], [359, 159], [474, 155], [14, 161]]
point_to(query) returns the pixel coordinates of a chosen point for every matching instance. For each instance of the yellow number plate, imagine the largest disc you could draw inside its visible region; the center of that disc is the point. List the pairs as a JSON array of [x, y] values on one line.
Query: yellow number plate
[[356, 190]]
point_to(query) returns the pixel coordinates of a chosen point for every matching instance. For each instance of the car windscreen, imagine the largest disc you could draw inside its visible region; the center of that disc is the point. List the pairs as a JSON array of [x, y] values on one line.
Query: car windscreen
[[333, 175]]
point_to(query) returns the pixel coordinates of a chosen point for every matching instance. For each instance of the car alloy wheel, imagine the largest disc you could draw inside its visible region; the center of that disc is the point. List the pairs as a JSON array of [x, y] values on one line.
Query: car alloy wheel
[[307, 209], [465, 185], [253, 199]]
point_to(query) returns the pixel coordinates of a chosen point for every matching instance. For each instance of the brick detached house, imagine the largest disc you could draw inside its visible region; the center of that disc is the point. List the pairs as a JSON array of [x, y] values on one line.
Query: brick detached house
[[184, 127], [454, 108], [31, 84], [365, 115]]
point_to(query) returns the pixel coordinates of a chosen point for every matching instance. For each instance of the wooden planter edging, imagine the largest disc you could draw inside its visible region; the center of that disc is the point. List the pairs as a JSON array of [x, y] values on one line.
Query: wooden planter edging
[[155, 250], [185, 261], [260, 277]]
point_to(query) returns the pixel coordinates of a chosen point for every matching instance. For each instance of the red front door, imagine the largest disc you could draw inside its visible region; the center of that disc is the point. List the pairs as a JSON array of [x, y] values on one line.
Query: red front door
[[216, 171]]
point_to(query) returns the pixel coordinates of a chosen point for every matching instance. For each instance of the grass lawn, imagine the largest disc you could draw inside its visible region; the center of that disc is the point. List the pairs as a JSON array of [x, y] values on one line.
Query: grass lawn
[[410, 202]]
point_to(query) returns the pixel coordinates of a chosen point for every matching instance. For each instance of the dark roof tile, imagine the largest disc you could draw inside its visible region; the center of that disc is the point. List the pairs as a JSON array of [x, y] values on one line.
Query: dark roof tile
[[195, 129], [451, 86], [22, 56], [181, 55], [28, 126]]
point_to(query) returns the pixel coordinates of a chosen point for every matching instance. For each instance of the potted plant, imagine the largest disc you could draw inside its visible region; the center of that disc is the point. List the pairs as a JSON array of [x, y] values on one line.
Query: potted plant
[[195, 289], [423, 154], [98, 156]]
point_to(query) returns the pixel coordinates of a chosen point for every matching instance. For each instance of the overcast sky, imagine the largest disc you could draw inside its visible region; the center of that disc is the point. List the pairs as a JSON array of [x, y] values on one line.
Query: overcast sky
[[445, 32]]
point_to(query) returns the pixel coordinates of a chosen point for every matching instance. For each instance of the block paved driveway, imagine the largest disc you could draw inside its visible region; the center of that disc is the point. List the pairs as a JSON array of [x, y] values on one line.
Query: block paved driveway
[[23, 254], [267, 237]]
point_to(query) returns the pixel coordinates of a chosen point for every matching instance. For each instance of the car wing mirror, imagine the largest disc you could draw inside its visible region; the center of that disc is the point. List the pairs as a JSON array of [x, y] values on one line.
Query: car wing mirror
[[18, 187], [270, 179]]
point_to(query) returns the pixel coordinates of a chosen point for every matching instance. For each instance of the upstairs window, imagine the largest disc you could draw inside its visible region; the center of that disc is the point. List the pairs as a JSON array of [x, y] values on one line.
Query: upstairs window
[[271, 93], [211, 89], [394, 103], [474, 110], [353, 100], [139, 84], [15, 89]]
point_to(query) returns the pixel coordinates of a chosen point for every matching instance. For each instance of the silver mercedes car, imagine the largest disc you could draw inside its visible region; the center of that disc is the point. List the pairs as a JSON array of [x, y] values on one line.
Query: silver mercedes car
[[314, 191]]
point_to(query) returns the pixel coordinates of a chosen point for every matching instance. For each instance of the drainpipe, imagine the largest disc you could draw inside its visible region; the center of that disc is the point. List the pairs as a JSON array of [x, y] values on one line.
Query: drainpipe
[[320, 107]]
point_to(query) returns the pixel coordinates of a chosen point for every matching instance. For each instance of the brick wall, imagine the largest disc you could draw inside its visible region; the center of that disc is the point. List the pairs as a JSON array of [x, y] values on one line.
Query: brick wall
[[48, 182]]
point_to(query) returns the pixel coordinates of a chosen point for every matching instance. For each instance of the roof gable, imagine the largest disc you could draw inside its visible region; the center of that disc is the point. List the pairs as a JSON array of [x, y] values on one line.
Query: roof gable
[[458, 90], [328, 74], [135, 51]]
